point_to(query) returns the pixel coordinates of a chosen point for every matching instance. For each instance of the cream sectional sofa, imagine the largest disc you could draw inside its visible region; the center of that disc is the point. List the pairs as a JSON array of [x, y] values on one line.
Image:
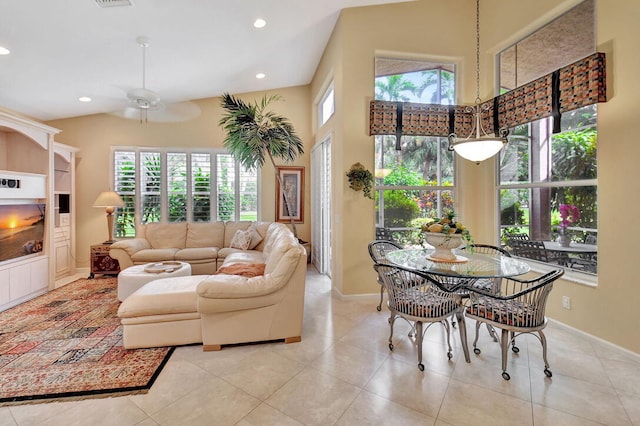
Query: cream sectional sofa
[[222, 309], [204, 245]]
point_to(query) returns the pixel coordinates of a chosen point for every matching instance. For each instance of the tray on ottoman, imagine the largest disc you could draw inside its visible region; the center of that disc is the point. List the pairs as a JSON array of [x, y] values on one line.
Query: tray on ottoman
[[158, 268], [134, 277]]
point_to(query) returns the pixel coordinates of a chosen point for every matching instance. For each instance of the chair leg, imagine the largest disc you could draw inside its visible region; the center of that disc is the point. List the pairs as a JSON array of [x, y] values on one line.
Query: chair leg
[[543, 340], [462, 329], [504, 344], [492, 332], [379, 307], [448, 330], [476, 349], [392, 319], [514, 348], [419, 344]]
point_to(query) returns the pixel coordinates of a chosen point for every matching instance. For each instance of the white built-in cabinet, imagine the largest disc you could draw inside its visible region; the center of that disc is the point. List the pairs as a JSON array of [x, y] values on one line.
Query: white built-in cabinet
[[46, 169], [64, 210]]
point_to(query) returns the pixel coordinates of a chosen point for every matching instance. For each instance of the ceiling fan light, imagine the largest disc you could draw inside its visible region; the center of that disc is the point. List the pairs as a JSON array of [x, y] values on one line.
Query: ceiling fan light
[[143, 98]]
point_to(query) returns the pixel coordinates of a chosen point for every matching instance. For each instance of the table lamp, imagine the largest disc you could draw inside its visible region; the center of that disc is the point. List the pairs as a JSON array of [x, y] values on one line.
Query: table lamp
[[110, 200]]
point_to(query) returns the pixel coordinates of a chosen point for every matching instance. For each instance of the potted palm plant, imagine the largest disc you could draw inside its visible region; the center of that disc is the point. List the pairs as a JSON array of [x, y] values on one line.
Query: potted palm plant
[[254, 134]]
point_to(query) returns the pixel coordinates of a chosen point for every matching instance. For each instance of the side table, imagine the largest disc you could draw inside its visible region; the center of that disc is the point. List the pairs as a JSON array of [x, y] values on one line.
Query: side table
[[101, 262]]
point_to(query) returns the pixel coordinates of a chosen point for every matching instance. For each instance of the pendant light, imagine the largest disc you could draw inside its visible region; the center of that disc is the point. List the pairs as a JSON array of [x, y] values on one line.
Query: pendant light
[[478, 146]]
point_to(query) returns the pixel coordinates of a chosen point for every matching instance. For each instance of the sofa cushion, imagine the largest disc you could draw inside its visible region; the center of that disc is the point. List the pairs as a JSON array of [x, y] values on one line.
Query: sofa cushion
[[205, 234], [154, 255], [271, 236], [164, 296], [201, 253], [241, 240], [283, 242], [167, 235], [240, 256], [243, 269]]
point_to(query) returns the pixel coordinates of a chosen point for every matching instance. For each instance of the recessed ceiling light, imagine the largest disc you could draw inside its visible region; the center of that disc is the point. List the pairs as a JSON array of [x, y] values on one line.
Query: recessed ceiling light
[[260, 75], [259, 23], [84, 99], [4, 50]]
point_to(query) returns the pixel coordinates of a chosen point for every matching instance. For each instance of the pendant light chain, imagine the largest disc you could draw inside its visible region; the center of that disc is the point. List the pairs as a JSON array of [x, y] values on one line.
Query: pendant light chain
[[478, 52]]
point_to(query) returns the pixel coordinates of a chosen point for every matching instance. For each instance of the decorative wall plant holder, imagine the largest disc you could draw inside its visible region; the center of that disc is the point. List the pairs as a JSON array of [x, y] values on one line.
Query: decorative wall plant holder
[[360, 179]]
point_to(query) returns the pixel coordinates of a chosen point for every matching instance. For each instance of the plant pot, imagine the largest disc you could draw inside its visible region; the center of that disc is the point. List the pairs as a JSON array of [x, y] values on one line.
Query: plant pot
[[444, 244], [357, 186], [564, 239]]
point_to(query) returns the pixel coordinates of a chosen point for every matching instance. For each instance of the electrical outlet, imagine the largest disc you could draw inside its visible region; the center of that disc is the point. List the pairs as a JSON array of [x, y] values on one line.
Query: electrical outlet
[[566, 302]]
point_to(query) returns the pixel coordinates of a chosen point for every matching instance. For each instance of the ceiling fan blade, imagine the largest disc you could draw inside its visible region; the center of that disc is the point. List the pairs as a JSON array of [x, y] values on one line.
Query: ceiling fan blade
[[175, 112]]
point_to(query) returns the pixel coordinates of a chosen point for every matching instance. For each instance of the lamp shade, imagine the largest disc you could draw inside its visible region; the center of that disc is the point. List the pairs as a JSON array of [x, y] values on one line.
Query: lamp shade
[[478, 150], [108, 199]]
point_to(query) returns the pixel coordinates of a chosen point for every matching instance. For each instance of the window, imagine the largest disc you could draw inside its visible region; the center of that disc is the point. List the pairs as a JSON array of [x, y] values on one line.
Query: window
[[417, 181], [326, 106], [159, 185], [548, 182]]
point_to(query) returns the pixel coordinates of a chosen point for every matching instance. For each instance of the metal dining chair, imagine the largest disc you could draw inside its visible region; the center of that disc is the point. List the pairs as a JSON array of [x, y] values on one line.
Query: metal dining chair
[[417, 300], [378, 250], [488, 284], [518, 309]]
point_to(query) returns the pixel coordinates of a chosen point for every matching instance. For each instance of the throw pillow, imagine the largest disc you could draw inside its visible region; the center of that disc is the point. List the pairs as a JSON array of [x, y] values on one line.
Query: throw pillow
[[241, 240], [247, 270], [255, 237]]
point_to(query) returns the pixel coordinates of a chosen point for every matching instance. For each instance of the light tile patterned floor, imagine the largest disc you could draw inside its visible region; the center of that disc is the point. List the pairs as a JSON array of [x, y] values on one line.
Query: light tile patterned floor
[[343, 373]]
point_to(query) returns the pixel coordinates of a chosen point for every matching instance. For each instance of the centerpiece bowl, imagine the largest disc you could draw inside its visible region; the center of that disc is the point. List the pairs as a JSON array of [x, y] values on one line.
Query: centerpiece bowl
[[444, 244]]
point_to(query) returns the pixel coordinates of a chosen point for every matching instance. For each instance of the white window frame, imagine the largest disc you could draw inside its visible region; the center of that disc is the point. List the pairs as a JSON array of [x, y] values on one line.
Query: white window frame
[[328, 96]]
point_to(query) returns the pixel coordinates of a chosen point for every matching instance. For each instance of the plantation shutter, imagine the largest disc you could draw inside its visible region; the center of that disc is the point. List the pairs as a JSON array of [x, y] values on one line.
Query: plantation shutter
[[125, 185]]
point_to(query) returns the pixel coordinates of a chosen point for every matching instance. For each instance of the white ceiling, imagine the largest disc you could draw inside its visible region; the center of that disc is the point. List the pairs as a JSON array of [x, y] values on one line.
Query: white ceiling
[[64, 49]]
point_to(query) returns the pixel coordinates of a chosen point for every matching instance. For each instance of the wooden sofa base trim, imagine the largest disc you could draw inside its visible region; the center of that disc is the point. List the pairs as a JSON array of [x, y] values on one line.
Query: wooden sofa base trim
[[295, 339]]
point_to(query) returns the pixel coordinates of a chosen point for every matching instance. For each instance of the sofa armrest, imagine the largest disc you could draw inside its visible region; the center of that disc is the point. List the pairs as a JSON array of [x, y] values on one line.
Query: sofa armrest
[[123, 250], [225, 286], [131, 246]]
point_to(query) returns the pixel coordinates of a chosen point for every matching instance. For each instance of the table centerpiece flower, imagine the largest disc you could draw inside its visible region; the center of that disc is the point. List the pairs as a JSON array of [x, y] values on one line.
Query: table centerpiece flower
[[446, 234]]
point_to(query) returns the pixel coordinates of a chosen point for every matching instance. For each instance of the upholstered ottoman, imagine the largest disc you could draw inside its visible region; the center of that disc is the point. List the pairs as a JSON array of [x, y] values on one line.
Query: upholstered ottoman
[[163, 312], [134, 277]]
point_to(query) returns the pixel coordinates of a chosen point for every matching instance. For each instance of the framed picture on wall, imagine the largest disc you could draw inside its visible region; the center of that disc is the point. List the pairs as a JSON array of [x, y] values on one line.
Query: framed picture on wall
[[293, 185]]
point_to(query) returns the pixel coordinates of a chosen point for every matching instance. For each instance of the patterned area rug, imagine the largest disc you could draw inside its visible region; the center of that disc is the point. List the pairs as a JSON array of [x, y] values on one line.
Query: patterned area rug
[[68, 344]]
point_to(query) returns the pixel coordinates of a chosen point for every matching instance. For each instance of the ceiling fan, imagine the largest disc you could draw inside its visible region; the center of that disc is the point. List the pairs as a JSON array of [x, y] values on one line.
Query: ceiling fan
[[143, 100]]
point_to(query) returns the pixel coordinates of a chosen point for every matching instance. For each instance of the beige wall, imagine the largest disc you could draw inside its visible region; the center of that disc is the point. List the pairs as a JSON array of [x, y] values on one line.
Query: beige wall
[[445, 30], [95, 135]]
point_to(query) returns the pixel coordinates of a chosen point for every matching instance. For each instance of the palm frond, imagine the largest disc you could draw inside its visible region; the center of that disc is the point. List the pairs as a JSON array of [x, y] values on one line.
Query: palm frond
[[253, 132]]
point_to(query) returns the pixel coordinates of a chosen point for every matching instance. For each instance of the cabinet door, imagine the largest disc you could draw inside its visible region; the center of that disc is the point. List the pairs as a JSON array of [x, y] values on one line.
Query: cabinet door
[[20, 281], [62, 247], [39, 275], [4, 287]]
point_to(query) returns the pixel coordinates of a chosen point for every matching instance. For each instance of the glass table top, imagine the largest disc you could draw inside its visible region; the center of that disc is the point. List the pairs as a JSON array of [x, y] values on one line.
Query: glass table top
[[467, 264]]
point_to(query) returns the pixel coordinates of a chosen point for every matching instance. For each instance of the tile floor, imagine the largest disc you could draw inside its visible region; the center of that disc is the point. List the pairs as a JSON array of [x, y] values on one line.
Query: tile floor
[[343, 373]]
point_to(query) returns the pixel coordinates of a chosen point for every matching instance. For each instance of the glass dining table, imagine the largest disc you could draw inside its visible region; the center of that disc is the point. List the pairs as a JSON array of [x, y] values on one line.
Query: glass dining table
[[461, 274]]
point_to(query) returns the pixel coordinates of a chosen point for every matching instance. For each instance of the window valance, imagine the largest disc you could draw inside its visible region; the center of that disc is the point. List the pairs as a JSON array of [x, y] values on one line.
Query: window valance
[[571, 87]]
